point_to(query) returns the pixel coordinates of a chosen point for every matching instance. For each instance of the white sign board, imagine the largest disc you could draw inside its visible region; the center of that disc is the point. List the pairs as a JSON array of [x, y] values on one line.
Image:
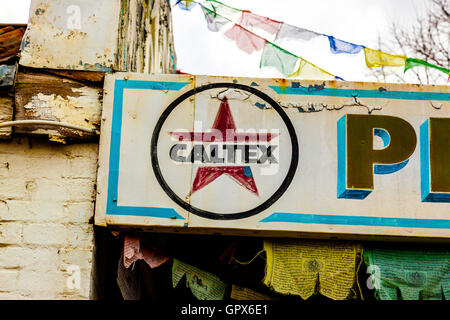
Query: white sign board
[[275, 157]]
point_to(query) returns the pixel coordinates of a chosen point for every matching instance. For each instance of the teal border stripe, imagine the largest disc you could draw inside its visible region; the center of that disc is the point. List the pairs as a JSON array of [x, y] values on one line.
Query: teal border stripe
[[349, 93], [114, 158], [357, 220]]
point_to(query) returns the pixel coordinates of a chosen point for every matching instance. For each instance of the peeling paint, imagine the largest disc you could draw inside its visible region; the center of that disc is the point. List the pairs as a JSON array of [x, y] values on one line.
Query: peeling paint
[[310, 107], [261, 106], [74, 110], [39, 11], [51, 42], [7, 74], [145, 42], [232, 94]]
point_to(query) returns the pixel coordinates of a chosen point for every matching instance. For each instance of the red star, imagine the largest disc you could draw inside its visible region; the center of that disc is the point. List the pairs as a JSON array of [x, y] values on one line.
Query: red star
[[224, 123]]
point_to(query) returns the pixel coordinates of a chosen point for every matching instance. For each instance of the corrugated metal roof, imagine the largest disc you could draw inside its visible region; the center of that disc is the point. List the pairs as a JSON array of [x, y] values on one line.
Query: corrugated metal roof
[[10, 40]]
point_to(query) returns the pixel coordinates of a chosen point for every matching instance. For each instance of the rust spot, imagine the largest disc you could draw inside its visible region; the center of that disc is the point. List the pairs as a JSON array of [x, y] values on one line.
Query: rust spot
[[283, 83]]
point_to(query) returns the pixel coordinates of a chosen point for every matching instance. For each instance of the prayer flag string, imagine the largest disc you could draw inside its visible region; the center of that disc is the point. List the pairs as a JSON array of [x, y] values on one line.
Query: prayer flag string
[[217, 16]]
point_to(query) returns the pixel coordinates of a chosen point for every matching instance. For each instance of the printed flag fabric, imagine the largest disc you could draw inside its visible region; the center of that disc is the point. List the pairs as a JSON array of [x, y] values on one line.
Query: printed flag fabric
[[309, 71], [305, 268], [409, 274], [245, 40], [251, 20], [411, 63], [203, 285], [215, 22], [274, 56], [186, 4], [375, 58], [289, 32], [340, 46]]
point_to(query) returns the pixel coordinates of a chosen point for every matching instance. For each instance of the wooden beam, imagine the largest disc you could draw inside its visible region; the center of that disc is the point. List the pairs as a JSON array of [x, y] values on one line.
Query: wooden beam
[[40, 95]]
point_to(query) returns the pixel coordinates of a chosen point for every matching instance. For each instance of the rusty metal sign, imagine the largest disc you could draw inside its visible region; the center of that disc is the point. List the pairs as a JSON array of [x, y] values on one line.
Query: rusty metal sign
[[72, 34], [275, 157]]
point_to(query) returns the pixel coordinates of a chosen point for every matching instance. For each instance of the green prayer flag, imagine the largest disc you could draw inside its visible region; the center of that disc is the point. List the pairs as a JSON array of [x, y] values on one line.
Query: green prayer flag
[[409, 274], [274, 56], [203, 285], [411, 63]]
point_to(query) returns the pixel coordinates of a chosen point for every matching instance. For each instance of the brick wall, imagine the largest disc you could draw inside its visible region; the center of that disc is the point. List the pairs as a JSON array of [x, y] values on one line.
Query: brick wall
[[47, 194]]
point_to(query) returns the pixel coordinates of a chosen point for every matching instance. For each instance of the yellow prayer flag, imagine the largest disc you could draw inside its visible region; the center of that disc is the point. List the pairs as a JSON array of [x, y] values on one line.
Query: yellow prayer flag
[[309, 71], [242, 293], [375, 58], [295, 267]]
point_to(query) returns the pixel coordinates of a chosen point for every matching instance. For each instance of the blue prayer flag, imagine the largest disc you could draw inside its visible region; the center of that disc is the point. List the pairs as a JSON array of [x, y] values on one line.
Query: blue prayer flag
[[339, 46]]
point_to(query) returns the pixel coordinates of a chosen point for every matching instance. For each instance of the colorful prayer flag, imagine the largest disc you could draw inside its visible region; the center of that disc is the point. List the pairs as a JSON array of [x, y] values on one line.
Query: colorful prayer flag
[[411, 63], [301, 267], [289, 32], [274, 56], [307, 70], [340, 46], [203, 285], [409, 274], [223, 10], [245, 40], [215, 22], [251, 20], [375, 58]]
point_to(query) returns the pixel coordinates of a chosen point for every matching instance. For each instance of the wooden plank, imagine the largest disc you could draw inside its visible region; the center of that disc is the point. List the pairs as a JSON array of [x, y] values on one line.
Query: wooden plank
[[92, 76], [42, 96], [145, 37], [6, 113]]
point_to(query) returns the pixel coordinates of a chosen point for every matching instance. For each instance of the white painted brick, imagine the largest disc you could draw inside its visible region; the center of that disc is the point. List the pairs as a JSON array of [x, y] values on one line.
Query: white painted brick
[[80, 237], [76, 256], [8, 280], [43, 259], [82, 190], [11, 232], [78, 212], [64, 190], [85, 284], [50, 190], [38, 281], [82, 168], [12, 188], [45, 234], [46, 201], [35, 168], [32, 211]]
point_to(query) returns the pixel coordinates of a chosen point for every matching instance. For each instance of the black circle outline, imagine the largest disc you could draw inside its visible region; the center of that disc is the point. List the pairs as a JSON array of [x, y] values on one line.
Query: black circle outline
[[225, 216]]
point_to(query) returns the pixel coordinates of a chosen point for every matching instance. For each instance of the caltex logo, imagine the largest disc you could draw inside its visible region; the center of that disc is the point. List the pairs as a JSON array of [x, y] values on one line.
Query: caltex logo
[[223, 153]]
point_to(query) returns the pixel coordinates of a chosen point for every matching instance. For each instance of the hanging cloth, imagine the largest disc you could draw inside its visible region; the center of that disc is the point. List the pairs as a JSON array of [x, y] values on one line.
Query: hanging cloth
[[274, 56], [298, 267], [409, 274], [309, 71], [245, 40], [375, 58], [340, 46], [204, 285]]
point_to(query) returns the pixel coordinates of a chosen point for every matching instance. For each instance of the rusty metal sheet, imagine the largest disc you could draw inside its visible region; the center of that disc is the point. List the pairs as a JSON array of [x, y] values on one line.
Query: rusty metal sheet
[[72, 34], [274, 157], [7, 74], [10, 39]]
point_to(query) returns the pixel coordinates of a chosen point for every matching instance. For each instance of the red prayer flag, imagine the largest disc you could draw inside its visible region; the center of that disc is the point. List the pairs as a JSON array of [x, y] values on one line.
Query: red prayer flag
[[245, 40]]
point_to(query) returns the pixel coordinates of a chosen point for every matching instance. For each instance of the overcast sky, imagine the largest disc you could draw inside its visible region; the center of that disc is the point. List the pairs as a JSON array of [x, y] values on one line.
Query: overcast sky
[[200, 51]]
